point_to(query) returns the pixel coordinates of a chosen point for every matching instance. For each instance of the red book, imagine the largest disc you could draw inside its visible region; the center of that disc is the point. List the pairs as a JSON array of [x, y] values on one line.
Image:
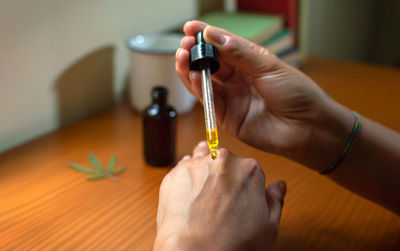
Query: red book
[[287, 8]]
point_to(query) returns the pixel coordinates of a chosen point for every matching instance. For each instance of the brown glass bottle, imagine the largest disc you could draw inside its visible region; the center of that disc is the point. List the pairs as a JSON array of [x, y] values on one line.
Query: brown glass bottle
[[159, 129]]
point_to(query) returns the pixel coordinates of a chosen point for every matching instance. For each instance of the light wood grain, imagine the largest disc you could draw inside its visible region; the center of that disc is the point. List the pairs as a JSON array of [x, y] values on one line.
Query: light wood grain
[[45, 205]]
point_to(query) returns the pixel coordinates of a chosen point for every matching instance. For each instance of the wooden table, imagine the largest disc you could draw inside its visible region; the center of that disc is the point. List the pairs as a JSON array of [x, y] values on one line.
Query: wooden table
[[46, 205]]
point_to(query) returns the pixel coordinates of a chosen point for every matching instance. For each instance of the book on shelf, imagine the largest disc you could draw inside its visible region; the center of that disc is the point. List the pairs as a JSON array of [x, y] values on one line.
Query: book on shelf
[[287, 8], [280, 42], [290, 56], [264, 29], [255, 27]]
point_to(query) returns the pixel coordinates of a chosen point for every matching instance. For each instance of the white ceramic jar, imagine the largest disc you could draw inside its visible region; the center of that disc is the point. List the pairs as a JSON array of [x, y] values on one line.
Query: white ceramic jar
[[153, 63]]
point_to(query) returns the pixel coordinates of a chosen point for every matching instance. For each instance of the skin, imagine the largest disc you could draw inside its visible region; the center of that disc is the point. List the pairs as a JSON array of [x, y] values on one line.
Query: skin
[[201, 199], [260, 99], [276, 108]]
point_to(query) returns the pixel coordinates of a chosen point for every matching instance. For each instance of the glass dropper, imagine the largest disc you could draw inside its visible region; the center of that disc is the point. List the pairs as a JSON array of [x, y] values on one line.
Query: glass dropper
[[204, 58], [209, 112]]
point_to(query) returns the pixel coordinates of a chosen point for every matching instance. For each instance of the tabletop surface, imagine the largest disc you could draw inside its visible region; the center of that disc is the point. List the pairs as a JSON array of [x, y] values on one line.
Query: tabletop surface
[[46, 205]]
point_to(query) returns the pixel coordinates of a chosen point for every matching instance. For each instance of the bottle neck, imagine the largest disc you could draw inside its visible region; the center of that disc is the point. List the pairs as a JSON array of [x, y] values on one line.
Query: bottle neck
[[161, 101]]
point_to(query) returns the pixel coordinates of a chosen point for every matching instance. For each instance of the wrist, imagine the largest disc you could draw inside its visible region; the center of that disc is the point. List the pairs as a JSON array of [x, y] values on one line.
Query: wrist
[[175, 242], [170, 242], [180, 241], [330, 132]]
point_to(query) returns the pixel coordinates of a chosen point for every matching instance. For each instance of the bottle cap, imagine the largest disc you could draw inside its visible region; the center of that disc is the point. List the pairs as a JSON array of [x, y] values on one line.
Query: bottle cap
[[203, 55]]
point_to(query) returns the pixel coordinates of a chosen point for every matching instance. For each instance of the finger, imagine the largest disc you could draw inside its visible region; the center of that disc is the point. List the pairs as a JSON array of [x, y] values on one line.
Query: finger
[[191, 28], [182, 67], [184, 159], [240, 53], [195, 84], [188, 42], [275, 194], [201, 150], [219, 93], [225, 73]]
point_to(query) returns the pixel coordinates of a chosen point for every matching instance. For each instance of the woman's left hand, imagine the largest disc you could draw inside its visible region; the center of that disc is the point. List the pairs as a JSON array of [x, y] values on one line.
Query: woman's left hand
[[218, 204]]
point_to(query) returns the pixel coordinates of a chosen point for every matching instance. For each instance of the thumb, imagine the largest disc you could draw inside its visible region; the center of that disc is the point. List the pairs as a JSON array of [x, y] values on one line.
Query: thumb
[[239, 52], [275, 194]]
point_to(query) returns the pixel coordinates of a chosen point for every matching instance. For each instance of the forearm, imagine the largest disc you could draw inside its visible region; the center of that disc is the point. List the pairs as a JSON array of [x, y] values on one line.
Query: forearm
[[372, 167]]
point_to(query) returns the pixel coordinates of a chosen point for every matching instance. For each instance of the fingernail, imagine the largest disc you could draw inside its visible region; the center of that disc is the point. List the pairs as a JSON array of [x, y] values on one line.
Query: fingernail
[[181, 52], [177, 52], [187, 23], [214, 35]]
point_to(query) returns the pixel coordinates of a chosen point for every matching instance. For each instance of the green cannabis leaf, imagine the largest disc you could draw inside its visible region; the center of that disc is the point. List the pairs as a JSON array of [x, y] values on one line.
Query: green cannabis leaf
[[112, 163], [95, 162], [99, 172]]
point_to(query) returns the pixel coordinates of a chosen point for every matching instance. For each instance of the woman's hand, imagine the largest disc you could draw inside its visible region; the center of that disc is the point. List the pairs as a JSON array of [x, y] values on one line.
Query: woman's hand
[[265, 102], [218, 204]]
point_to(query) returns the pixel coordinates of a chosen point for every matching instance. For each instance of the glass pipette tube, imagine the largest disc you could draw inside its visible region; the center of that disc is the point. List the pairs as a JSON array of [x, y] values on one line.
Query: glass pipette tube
[[209, 112]]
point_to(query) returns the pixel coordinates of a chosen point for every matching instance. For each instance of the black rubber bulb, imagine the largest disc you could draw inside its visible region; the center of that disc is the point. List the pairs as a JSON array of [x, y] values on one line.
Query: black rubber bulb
[[203, 55]]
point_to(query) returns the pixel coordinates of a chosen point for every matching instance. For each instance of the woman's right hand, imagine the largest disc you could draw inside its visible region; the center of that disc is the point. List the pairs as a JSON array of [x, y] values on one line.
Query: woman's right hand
[[265, 102]]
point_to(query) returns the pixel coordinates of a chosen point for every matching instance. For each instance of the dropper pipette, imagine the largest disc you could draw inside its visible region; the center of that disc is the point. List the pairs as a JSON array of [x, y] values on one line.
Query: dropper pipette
[[204, 58]]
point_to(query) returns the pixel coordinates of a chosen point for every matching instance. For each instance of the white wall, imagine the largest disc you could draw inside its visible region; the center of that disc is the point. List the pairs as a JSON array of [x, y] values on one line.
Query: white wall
[[341, 28], [41, 39]]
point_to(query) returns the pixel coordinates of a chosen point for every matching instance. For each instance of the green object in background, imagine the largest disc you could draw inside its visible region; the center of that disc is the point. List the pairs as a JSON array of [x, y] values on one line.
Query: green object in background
[[277, 37], [254, 27], [99, 172], [280, 42]]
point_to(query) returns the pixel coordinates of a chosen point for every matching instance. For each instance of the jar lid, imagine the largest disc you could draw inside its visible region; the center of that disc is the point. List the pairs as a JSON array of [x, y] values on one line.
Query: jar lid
[[155, 43]]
